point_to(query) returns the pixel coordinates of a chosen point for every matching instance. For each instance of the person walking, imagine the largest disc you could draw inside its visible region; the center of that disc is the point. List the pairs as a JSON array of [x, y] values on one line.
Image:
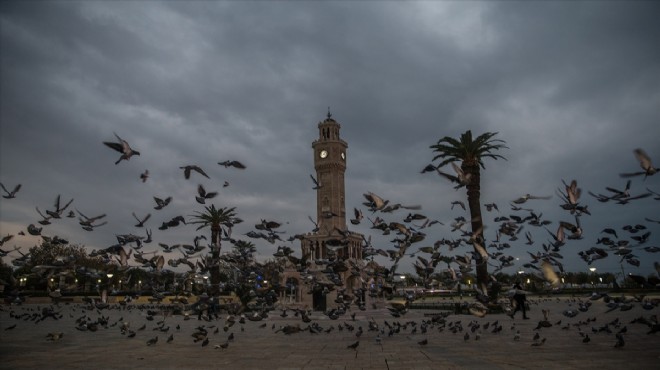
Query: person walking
[[519, 300], [214, 306], [202, 306]]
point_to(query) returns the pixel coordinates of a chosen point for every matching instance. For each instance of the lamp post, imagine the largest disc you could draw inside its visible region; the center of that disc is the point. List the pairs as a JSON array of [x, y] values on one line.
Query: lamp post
[[110, 275], [593, 270], [520, 275]]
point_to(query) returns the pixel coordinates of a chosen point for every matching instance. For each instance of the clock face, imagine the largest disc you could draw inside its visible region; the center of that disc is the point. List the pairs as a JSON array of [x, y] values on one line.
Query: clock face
[[324, 153], [343, 155]]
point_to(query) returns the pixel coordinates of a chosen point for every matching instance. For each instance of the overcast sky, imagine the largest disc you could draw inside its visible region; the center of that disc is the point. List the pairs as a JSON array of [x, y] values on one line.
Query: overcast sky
[[572, 87]]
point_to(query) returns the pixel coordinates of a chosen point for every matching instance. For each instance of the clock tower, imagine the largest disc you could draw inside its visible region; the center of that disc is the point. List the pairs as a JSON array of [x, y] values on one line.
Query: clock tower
[[332, 262], [330, 165]]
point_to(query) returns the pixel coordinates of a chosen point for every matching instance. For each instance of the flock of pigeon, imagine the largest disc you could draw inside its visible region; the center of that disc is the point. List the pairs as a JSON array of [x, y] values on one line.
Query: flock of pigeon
[[128, 245], [546, 263], [625, 243]]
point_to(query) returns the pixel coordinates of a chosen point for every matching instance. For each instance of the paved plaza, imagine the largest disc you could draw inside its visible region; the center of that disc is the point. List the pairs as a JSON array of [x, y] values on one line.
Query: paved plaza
[[411, 341]]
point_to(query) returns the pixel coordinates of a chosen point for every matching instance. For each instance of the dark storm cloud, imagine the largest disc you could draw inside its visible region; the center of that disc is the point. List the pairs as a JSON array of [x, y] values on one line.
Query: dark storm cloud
[[571, 87]]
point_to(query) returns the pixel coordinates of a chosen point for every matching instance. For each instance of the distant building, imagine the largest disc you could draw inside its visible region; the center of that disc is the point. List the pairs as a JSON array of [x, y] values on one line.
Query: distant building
[[332, 254]]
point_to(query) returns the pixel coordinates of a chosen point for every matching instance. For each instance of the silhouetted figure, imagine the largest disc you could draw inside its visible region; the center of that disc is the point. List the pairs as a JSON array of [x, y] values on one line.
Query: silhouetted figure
[[214, 307], [520, 299], [202, 305]]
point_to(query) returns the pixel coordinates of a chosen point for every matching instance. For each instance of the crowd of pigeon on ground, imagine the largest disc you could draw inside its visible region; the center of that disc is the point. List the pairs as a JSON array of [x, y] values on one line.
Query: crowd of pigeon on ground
[[155, 324]]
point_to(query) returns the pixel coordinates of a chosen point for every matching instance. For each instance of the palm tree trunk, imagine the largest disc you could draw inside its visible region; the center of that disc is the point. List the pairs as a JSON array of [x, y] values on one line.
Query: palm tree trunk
[[215, 257], [474, 203]]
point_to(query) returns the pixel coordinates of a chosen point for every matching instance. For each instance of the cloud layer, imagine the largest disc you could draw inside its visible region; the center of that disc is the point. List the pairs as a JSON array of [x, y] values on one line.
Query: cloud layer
[[572, 88]]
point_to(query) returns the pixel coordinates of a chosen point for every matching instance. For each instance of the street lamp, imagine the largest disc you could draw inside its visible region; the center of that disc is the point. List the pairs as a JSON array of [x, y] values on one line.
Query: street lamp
[[593, 270]]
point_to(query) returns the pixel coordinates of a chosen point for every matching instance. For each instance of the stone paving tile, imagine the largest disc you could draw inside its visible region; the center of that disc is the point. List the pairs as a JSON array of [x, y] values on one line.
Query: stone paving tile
[[25, 347]]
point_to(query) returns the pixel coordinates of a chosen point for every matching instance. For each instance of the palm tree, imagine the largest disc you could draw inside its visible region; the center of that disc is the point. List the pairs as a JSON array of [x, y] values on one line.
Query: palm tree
[[215, 219], [245, 250], [470, 152]]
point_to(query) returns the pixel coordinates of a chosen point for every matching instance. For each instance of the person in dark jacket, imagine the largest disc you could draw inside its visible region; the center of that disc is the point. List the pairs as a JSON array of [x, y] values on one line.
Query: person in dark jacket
[[202, 305], [519, 298], [214, 306]]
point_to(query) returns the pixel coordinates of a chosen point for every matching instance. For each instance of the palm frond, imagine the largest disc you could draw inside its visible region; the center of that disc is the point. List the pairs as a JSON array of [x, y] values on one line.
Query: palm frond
[[468, 149]]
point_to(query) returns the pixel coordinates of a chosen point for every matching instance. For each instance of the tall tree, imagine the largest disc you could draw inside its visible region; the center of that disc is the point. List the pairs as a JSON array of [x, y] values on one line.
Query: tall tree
[[471, 152], [242, 257], [215, 219]]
